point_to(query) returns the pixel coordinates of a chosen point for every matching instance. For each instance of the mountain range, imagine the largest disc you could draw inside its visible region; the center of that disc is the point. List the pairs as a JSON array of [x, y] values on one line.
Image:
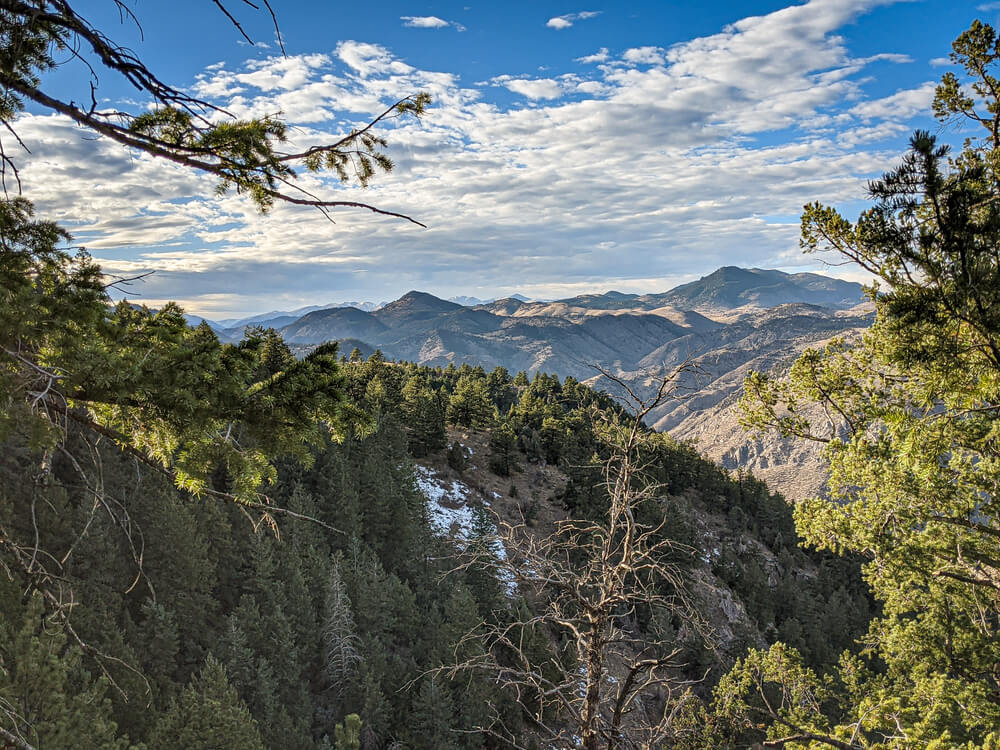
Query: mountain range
[[726, 323]]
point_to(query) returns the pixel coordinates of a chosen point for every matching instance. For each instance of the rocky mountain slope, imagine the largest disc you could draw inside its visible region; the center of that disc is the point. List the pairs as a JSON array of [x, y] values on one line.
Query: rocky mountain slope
[[726, 323], [531, 495], [764, 340]]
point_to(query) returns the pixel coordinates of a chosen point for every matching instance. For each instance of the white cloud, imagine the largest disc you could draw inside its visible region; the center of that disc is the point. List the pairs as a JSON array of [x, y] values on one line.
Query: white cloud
[[564, 22], [424, 22], [429, 22], [531, 88], [893, 57], [370, 59], [644, 56], [646, 173], [598, 57], [900, 106], [594, 88]]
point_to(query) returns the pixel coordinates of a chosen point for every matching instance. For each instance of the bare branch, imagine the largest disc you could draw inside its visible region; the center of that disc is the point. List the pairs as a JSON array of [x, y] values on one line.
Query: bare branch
[[586, 581]]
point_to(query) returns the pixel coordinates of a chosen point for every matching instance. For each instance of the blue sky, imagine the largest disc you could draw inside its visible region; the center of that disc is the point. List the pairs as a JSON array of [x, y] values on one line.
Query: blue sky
[[570, 148]]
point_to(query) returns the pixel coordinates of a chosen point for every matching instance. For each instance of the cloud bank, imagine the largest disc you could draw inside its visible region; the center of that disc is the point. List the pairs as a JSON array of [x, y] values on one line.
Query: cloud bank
[[651, 168]]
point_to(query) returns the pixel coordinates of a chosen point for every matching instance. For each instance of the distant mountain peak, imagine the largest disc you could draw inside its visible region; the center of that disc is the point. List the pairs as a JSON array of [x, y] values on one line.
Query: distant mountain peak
[[733, 273], [730, 287], [414, 303], [416, 297], [466, 301]]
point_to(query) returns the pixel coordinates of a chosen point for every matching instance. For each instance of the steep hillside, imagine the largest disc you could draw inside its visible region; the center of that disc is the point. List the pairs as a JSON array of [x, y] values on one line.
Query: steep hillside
[[740, 609], [746, 569], [389, 551], [707, 416]]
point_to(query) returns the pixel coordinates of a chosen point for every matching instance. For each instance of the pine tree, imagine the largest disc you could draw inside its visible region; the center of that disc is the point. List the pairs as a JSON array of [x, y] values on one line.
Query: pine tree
[[500, 387], [911, 440], [433, 714], [348, 733], [457, 459], [424, 417], [503, 450], [470, 404], [208, 715], [47, 698], [159, 639]]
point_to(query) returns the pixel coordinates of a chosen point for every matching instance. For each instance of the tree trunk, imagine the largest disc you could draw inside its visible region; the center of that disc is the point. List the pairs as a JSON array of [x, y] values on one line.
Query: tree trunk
[[590, 726]]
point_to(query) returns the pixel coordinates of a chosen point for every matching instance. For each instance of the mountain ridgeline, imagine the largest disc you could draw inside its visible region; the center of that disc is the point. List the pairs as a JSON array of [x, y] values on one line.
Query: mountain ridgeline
[[728, 323], [611, 327]]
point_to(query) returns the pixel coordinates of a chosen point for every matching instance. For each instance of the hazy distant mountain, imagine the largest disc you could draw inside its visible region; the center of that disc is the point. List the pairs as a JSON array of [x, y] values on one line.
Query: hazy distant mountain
[[475, 301], [333, 323], [197, 320], [287, 316], [729, 322], [628, 332], [731, 287], [468, 301], [264, 317]]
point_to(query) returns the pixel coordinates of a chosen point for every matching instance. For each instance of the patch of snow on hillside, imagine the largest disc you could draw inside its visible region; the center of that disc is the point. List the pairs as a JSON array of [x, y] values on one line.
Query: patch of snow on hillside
[[449, 511], [450, 515]]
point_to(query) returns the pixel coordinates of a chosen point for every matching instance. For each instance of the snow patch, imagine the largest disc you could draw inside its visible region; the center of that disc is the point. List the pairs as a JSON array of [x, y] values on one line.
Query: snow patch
[[451, 515], [447, 504]]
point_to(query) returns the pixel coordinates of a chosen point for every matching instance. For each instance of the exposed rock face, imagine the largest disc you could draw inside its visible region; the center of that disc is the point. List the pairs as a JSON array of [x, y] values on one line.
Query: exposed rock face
[[728, 323], [710, 419], [794, 468], [761, 340]]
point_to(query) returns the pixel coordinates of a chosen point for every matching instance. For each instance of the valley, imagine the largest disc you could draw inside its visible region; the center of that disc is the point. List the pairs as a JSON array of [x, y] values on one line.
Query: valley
[[726, 324]]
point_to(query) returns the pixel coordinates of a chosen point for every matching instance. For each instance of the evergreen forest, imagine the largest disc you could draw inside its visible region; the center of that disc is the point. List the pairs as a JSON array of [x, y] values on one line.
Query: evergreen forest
[[210, 545]]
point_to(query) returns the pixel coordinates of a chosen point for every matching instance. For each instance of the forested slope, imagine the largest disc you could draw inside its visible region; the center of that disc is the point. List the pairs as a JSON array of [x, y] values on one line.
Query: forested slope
[[224, 633]]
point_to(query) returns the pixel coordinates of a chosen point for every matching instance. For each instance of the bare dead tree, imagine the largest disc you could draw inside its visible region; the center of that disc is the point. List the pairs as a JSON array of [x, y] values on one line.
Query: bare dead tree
[[340, 642], [610, 686]]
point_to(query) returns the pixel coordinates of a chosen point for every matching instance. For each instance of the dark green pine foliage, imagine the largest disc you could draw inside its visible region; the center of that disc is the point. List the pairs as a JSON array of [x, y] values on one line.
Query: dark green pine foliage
[[423, 411], [433, 718], [208, 715], [483, 586], [48, 698], [470, 404], [503, 450], [501, 389], [457, 457]]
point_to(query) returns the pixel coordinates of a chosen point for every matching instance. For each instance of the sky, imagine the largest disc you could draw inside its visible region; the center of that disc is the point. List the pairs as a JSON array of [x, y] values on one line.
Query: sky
[[570, 148]]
